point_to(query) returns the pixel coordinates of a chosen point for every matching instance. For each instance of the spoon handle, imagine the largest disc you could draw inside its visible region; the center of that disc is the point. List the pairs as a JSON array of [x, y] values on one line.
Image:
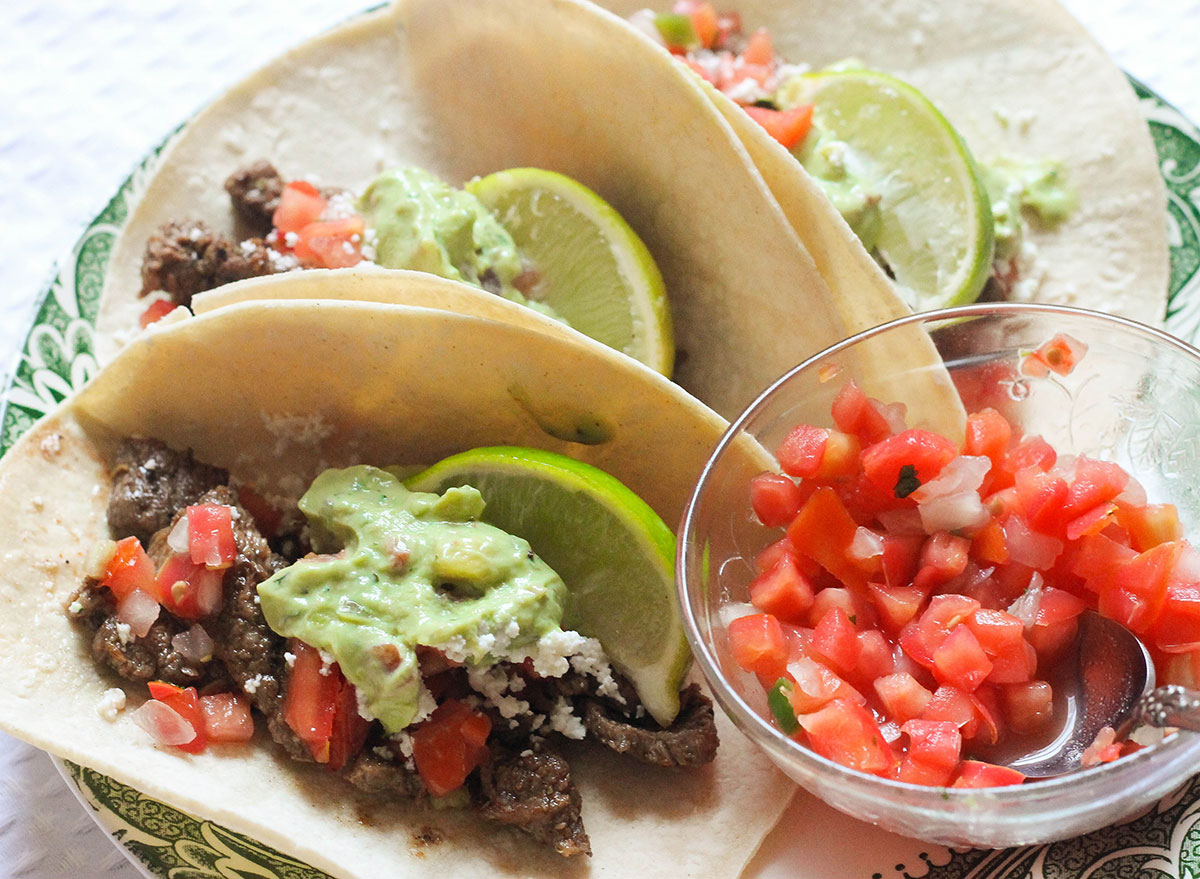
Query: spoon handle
[[1170, 705]]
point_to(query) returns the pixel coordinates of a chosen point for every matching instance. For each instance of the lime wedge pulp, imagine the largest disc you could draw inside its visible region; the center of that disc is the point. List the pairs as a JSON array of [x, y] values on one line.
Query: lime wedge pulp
[[935, 223], [614, 553], [594, 270]]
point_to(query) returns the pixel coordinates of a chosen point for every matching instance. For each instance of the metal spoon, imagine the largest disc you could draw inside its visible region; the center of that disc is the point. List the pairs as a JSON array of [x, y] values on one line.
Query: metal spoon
[[1109, 682]]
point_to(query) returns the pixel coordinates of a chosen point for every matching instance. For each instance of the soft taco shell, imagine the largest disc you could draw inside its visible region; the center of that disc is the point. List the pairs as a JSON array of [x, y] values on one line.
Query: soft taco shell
[[248, 388], [1018, 79], [463, 89]]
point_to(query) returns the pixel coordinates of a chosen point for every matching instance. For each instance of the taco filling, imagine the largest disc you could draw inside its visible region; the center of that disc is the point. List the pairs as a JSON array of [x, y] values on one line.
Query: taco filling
[[785, 99], [414, 650], [406, 219]]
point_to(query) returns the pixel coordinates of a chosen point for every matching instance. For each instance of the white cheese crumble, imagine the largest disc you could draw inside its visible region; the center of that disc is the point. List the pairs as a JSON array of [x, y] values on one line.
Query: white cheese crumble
[[563, 720], [74, 607], [291, 239], [123, 633], [112, 703], [50, 445], [403, 741], [289, 659], [251, 686], [327, 662]]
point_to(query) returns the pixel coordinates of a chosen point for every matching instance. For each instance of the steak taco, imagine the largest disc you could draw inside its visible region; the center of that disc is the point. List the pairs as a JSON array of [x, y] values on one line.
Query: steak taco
[[987, 147], [356, 118], [174, 620]]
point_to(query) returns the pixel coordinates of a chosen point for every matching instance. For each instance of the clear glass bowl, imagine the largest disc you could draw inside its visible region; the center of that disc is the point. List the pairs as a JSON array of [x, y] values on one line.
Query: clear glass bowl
[[1134, 398]]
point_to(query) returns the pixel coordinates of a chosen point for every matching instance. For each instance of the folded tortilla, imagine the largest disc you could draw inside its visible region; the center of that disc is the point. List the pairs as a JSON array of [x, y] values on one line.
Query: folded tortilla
[[275, 391], [1018, 79], [467, 88]]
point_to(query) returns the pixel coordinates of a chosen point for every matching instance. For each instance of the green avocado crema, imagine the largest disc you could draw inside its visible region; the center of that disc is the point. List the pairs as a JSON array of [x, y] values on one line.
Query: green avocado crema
[[425, 224], [404, 569], [1024, 187]]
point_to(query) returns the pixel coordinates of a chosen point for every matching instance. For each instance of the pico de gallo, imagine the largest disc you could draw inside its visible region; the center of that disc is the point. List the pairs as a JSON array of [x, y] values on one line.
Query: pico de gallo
[[908, 618]]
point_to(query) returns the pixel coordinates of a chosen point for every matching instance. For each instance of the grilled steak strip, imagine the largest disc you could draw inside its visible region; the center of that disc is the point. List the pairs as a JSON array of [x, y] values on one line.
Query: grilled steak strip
[[533, 790], [690, 741], [150, 483], [183, 259]]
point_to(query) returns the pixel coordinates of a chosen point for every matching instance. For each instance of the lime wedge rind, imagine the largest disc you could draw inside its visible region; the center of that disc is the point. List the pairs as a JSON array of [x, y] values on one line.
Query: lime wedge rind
[[611, 549]]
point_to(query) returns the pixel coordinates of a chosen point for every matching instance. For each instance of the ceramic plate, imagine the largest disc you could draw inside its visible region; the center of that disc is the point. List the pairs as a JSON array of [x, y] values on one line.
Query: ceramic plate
[[168, 844]]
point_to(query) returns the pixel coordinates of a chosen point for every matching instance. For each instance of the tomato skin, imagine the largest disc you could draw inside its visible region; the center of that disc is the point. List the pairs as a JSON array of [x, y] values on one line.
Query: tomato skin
[[924, 452], [853, 412], [976, 773], [331, 244], [186, 703], [189, 590], [775, 499], [823, 531], [449, 745], [758, 645], [156, 311], [902, 695], [933, 752], [1150, 525], [322, 709], [129, 569]]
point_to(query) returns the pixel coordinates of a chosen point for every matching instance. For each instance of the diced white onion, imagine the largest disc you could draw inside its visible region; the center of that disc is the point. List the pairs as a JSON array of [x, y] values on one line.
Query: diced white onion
[[896, 415], [865, 545], [964, 473], [1027, 547], [164, 724], [178, 538], [138, 611], [1133, 494], [735, 611], [952, 512], [194, 644], [1027, 606], [98, 558]]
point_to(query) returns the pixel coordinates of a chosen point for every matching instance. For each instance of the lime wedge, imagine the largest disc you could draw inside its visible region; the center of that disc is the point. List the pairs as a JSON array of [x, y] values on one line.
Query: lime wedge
[[613, 552], [935, 231], [594, 270]]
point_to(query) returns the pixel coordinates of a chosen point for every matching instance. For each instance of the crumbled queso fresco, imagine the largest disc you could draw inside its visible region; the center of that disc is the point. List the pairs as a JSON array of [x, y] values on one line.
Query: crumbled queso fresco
[[112, 703]]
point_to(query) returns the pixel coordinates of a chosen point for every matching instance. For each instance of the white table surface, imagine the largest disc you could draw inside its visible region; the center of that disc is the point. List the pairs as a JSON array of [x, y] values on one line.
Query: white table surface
[[86, 87]]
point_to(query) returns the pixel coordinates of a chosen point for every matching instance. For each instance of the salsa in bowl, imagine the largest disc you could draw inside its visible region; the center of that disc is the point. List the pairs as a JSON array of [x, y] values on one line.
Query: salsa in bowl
[[885, 597]]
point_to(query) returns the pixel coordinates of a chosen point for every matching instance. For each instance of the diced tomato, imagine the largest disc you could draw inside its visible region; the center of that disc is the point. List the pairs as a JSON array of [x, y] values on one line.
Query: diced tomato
[[1150, 525], [321, 707], [1028, 706], [943, 557], [788, 127], [227, 718], [1041, 500], [771, 553], [449, 745], [129, 569], [988, 433], [332, 244], [960, 660], [1095, 483], [1098, 560], [952, 704], [1057, 623], [901, 558], [858, 608], [299, 204], [904, 462], [210, 535], [783, 591], [875, 657], [933, 751], [896, 605], [758, 645], [902, 696], [836, 639], [854, 412], [186, 703], [1093, 521], [823, 530], [845, 732], [1029, 451], [816, 684], [775, 499], [990, 545], [705, 23], [818, 453], [759, 49], [266, 517], [976, 773], [156, 311], [189, 590], [1134, 597], [1060, 355]]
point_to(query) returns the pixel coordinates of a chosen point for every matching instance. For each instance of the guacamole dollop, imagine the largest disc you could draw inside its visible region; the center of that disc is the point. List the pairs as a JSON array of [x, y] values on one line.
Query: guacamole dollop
[[425, 224], [403, 569], [1021, 188]]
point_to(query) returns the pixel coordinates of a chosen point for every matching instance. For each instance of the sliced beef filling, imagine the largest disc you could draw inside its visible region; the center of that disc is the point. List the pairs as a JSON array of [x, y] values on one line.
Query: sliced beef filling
[[690, 741], [150, 483], [533, 790], [183, 259], [254, 192]]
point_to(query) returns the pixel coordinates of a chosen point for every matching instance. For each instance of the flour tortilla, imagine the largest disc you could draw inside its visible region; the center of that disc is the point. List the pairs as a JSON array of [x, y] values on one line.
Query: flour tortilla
[[1018, 79], [466, 88], [248, 387]]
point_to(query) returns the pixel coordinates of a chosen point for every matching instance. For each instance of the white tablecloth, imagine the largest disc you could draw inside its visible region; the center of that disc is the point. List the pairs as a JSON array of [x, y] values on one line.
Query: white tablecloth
[[87, 87]]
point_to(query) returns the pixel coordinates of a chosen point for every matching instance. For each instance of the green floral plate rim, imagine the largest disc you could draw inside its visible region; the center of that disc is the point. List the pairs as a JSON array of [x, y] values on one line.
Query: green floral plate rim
[[167, 844]]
